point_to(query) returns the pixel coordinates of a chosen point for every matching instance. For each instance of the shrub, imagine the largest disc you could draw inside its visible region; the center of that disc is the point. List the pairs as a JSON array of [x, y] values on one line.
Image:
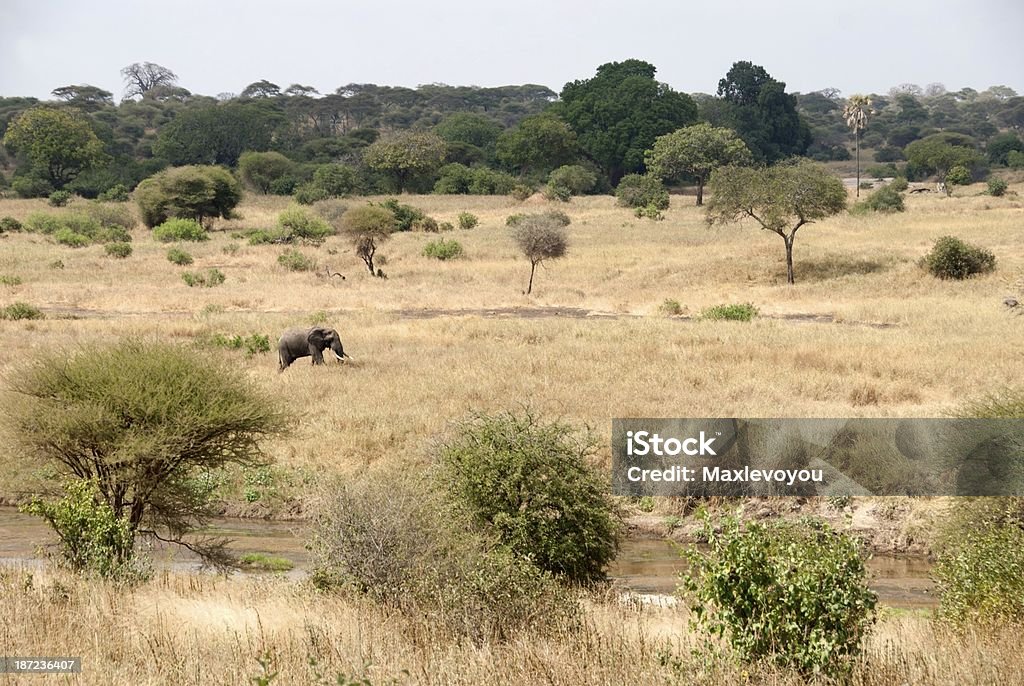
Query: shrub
[[736, 313], [641, 190], [179, 257], [443, 250], [958, 176], [398, 543], [116, 193], [92, 538], [296, 223], [111, 216], [429, 225], [458, 179], [978, 570], [38, 222], [253, 344], [10, 224], [193, 192], [1015, 159], [263, 171], [20, 310], [886, 199], [793, 594], [467, 220], [670, 308], [118, 249], [406, 216], [866, 185], [555, 216], [881, 171], [527, 482], [8, 280], [60, 198], [521, 192], [997, 187], [569, 180], [295, 261], [307, 194], [31, 187], [180, 230], [209, 279], [445, 226], [648, 212], [67, 236], [951, 258], [899, 184]]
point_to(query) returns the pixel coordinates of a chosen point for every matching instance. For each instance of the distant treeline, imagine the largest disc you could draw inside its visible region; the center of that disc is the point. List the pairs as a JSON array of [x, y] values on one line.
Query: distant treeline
[[461, 139]]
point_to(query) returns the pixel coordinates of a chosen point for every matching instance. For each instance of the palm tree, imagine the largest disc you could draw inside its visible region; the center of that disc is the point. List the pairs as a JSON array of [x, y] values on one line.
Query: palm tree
[[856, 112]]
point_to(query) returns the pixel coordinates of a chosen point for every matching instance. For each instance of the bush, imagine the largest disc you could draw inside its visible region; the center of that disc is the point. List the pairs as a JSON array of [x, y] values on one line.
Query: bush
[[569, 180], [997, 187], [429, 225], [951, 258], [958, 176], [671, 308], [10, 224], [521, 192], [212, 277], [458, 179], [180, 230], [1015, 159], [793, 594], [528, 483], [116, 193], [67, 236], [119, 250], [649, 212], [467, 220], [406, 216], [329, 181], [20, 310], [253, 344], [179, 257], [398, 543], [735, 313], [111, 216], [886, 199], [31, 187], [296, 223], [641, 190], [899, 184], [295, 261], [443, 250], [445, 226], [978, 570], [60, 198], [555, 216], [92, 538], [193, 192], [8, 280], [263, 171], [881, 171]]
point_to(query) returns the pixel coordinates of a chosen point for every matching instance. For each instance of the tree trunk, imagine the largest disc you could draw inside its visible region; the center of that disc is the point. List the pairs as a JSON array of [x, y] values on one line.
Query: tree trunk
[[789, 259], [700, 193], [857, 138], [533, 268]]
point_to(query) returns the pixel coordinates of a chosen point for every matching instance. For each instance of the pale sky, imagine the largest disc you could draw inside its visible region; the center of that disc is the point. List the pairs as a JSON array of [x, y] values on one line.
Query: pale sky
[[217, 46]]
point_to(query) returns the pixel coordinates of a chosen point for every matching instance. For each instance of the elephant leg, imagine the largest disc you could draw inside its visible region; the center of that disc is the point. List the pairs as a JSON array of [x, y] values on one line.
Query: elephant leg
[[317, 355]]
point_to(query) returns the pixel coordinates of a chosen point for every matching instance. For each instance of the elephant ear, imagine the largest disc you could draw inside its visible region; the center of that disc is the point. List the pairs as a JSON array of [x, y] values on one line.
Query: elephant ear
[[316, 337]]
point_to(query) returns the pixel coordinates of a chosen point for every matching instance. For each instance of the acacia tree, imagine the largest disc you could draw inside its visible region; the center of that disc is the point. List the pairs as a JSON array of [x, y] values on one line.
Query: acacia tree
[[405, 155], [142, 422], [781, 199], [540, 237], [856, 112], [696, 151], [57, 145], [367, 226], [142, 77]]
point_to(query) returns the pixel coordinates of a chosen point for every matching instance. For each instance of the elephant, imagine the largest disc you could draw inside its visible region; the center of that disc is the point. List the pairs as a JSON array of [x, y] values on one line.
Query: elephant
[[296, 343]]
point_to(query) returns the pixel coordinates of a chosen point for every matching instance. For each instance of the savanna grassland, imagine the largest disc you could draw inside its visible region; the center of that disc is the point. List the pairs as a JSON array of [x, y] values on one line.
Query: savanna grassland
[[864, 332]]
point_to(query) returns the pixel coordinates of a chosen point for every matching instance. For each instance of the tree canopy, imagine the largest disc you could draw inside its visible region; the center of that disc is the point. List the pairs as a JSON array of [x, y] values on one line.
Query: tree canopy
[[696, 151], [619, 112], [56, 144], [405, 155]]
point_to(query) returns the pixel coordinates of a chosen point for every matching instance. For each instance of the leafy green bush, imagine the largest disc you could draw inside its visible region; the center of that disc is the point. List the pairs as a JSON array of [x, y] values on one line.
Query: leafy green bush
[[264, 171], [329, 181], [20, 310], [296, 223], [642, 190], [67, 236], [528, 483], [443, 250], [209, 279], [467, 220], [899, 184], [119, 250], [458, 179], [557, 216], [179, 257], [793, 594], [111, 216], [981, 556], [295, 261], [92, 538], [952, 258], [648, 212], [671, 308], [116, 193], [9, 280], [569, 180], [881, 171], [521, 192], [406, 216], [60, 198], [736, 313], [192, 192], [958, 175], [39, 222], [253, 344], [31, 187], [10, 224], [180, 230], [1015, 159], [886, 199], [997, 187]]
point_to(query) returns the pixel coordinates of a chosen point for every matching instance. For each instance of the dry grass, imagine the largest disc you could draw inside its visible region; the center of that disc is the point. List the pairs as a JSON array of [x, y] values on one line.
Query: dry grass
[[189, 629]]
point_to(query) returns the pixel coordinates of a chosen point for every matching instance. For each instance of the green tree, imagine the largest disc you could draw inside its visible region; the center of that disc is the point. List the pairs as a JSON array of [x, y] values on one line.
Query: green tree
[[217, 134], [470, 128], [856, 112], [195, 192], [366, 227], [261, 89], [537, 145], [619, 112], [86, 98], [940, 152], [262, 170], [147, 422], [405, 155], [781, 199], [55, 144], [999, 147], [696, 151], [957, 176], [762, 113]]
